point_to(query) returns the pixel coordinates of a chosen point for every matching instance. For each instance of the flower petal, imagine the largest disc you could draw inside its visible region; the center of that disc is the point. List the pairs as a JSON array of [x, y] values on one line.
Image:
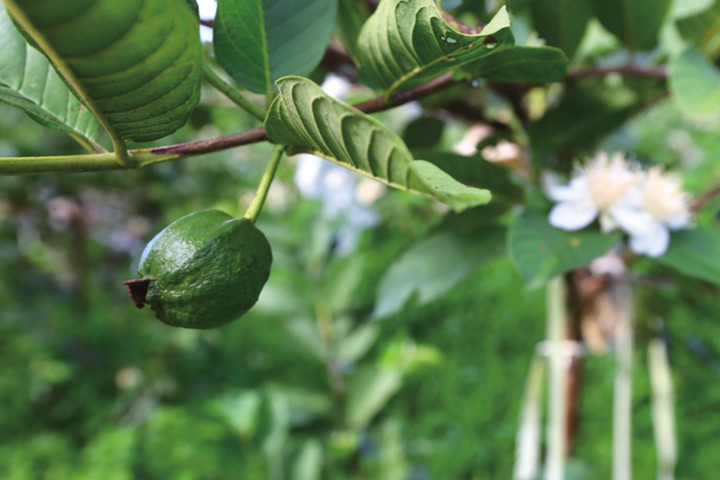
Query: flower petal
[[653, 242], [572, 215], [632, 220]]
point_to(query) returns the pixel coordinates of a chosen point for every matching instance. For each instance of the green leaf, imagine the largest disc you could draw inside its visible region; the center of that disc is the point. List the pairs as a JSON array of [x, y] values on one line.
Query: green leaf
[[259, 41], [309, 462], [542, 251], [433, 266], [368, 392], [406, 43], [586, 113], [136, 64], [351, 16], [695, 85], [521, 64], [305, 118], [695, 253], [635, 22], [28, 81], [703, 30], [561, 23], [475, 171]]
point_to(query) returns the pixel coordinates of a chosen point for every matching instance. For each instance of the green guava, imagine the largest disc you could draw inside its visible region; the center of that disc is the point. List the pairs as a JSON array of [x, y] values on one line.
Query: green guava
[[208, 269]]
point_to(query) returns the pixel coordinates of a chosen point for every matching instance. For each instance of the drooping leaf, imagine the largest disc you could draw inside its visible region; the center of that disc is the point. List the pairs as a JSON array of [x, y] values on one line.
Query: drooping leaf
[[304, 117], [406, 43], [561, 23], [695, 85], [635, 22], [433, 266], [542, 251], [520, 64], [351, 16], [474, 171], [695, 253], [259, 41], [28, 81], [136, 64]]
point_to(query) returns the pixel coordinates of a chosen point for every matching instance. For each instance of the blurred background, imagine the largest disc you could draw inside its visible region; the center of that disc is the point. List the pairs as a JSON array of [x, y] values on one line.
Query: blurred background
[[393, 340]]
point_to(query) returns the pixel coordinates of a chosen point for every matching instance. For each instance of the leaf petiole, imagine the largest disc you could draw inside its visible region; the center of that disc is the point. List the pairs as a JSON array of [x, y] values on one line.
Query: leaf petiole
[[256, 205], [232, 93]]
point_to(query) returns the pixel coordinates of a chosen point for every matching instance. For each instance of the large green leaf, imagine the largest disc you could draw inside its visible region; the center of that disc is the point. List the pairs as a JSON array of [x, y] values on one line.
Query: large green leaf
[[542, 251], [28, 81], [703, 30], [521, 64], [259, 41], [406, 43], [136, 64], [695, 253], [433, 266], [695, 85], [635, 22], [306, 118], [561, 23]]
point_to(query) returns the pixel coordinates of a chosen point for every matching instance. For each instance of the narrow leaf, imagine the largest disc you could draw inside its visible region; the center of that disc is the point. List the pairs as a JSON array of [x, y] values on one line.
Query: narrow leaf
[[695, 253], [136, 64], [635, 22], [259, 41], [351, 16], [306, 118], [406, 43], [695, 85], [28, 81], [542, 251]]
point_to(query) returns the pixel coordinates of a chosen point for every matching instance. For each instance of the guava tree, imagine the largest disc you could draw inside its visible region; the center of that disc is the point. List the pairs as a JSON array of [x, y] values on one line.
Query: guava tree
[[113, 75]]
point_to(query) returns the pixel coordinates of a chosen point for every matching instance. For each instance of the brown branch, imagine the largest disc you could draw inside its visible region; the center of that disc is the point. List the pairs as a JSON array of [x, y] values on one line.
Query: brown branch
[[624, 70], [207, 22], [706, 197], [258, 134]]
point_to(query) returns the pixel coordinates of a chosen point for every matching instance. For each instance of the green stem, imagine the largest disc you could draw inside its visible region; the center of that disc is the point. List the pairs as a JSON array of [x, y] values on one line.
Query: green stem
[[257, 203], [121, 153], [213, 79], [557, 380], [94, 162]]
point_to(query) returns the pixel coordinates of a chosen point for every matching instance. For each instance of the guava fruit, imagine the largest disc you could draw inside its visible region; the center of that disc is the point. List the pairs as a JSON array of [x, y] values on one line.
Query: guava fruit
[[204, 270]]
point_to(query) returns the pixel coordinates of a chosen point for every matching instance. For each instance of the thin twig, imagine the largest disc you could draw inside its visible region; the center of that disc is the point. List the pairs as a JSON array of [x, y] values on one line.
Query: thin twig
[[706, 197]]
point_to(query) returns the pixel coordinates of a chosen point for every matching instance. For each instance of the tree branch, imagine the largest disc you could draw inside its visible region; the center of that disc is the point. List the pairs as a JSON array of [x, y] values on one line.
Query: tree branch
[[627, 70]]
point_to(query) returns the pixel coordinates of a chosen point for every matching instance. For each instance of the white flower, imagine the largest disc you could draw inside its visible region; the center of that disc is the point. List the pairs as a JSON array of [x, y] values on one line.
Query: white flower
[[604, 188], [665, 207], [645, 205]]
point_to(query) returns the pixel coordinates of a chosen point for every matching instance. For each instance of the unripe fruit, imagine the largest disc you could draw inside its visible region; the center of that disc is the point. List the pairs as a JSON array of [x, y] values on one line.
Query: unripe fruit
[[208, 269]]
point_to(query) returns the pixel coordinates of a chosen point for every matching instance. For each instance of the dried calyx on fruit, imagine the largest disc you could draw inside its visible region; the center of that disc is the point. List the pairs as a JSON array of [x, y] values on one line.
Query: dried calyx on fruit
[[202, 271]]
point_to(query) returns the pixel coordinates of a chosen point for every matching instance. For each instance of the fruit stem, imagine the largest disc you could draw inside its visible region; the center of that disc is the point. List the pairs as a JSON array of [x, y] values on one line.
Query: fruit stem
[[257, 203]]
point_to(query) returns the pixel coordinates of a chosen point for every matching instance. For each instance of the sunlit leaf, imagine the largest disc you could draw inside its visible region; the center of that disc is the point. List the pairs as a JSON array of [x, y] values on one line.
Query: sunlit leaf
[[136, 64], [406, 43], [259, 41], [305, 118], [695, 85]]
